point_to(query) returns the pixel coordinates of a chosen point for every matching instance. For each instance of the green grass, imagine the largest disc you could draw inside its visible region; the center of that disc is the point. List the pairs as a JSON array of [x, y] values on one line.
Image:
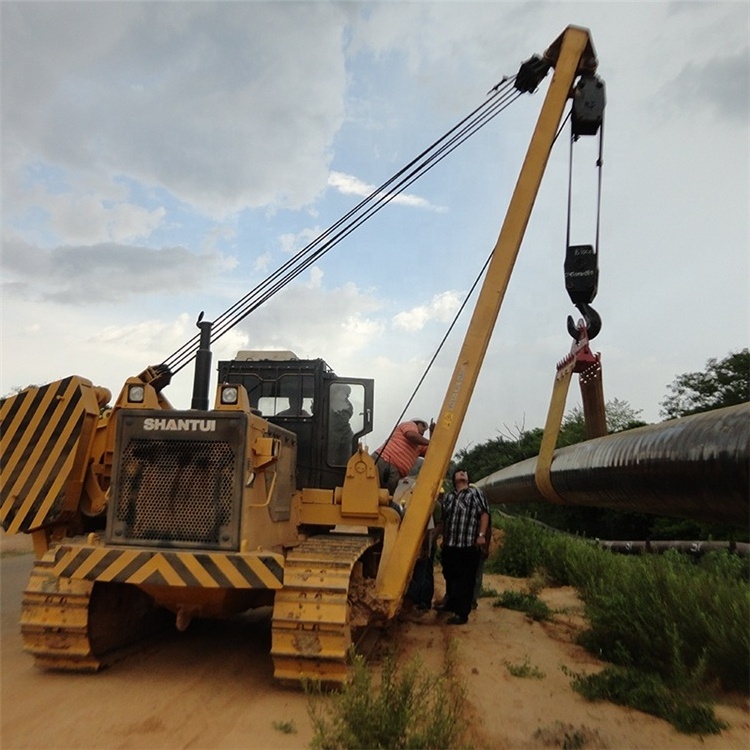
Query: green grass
[[669, 618], [684, 620], [648, 693], [521, 551], [407, 708], [285, 727], [525, 669], [535, 608], [486, 592]]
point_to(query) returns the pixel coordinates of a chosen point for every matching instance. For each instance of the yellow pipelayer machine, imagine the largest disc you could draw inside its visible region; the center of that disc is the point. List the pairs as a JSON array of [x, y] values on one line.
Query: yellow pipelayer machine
[[142, 514]]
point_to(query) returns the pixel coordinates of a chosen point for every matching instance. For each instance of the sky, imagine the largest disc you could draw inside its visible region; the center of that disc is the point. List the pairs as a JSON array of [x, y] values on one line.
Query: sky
[[160, 159]]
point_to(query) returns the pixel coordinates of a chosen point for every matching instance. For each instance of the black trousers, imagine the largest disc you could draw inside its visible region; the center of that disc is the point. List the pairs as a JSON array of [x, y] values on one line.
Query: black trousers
[[422, 584], [460, 565], [387, 473]]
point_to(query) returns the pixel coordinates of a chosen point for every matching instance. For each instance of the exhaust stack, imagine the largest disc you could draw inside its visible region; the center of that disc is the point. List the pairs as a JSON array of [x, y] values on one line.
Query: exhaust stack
[[202, 376]]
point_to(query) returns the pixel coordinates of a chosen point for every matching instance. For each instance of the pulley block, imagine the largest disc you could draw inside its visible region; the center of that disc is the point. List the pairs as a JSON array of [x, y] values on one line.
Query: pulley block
[[581, 273], [588, 105]]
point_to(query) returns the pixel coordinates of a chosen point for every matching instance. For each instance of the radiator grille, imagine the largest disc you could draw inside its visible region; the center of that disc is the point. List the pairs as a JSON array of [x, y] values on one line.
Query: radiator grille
[[176, 491]]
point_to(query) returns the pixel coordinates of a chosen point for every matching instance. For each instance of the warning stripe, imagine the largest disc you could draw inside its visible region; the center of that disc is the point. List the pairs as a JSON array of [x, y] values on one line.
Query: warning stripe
[[192, 573], [22, 436], [41, 431], [167, 568]]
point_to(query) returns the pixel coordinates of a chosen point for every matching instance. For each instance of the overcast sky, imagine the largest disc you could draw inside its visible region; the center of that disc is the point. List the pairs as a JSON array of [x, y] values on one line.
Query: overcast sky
[[160, 159]]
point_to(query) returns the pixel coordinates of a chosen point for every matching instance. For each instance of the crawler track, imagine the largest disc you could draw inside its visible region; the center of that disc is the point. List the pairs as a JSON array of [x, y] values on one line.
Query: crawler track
[[312, 625], [72, 625]]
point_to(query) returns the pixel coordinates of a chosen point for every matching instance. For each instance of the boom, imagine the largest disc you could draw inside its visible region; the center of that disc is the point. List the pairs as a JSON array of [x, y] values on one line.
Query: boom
[[570, 55]]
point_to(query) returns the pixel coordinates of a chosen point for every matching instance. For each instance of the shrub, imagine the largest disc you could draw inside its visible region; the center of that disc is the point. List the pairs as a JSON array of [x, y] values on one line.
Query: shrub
[[407, 709], [648, 693], [487, 591], [668, 614], [572, 561], [526, 669], [671, 617], [528, 603], [521, 551], [726, 565], [285, 727]]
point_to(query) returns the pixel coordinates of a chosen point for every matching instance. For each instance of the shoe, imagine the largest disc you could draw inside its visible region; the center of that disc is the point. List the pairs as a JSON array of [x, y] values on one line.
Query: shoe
[[457, 620]]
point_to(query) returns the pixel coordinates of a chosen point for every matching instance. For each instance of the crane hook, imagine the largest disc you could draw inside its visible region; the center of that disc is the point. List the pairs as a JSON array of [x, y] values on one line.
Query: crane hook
[[591, 320]]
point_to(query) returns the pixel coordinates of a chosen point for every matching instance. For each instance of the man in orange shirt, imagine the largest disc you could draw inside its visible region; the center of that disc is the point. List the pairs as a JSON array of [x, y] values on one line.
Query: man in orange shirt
[[396, 457]]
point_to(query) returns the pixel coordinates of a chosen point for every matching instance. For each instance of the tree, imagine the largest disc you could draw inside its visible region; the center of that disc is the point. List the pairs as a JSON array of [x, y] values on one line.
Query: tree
[[519, 443], [724, 382], [496, 453], [620, 416]]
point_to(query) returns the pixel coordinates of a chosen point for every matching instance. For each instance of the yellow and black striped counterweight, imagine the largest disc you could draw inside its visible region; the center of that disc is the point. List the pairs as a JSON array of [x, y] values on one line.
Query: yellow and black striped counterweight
[[46, 435]]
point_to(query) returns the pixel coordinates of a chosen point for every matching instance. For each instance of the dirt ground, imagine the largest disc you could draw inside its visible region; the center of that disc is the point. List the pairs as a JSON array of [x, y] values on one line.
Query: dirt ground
[[515, 713], [212, 686]]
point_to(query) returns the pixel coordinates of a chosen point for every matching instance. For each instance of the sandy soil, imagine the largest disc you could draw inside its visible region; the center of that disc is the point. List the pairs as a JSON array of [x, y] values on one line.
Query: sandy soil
[[212, 686], [515, 713]]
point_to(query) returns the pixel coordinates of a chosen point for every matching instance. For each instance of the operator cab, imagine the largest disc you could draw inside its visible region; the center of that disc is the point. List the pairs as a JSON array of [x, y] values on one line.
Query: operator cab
[[328, 414]]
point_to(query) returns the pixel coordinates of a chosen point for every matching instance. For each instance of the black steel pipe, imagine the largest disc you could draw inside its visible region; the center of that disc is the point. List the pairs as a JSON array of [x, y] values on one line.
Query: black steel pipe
[[741, 549], [695, 467]]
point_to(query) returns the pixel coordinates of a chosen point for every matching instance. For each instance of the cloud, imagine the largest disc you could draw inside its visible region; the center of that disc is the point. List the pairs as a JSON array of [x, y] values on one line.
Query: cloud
[[262, 262], [292, 242], [86, 219], [111, 272], [441, 308], [722, 83], [216, 234], [149, 335], [314, 321], [349, 185], [316, 278], [224, 105]]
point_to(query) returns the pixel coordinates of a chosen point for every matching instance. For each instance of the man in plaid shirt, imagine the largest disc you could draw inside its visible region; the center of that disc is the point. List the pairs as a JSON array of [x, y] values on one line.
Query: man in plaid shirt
[[466, 520]]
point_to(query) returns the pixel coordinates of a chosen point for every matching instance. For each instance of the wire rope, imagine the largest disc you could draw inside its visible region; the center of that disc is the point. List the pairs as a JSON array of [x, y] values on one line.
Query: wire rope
[[461, 309], [502, 96], [439, 348]]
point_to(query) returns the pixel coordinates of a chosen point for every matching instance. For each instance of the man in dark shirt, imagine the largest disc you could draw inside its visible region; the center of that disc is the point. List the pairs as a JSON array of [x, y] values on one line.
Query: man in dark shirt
[[466, 520]]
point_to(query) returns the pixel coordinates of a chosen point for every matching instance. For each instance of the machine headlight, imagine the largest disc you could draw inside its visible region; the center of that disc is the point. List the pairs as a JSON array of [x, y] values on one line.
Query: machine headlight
[[136, 394], [229, 394]]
